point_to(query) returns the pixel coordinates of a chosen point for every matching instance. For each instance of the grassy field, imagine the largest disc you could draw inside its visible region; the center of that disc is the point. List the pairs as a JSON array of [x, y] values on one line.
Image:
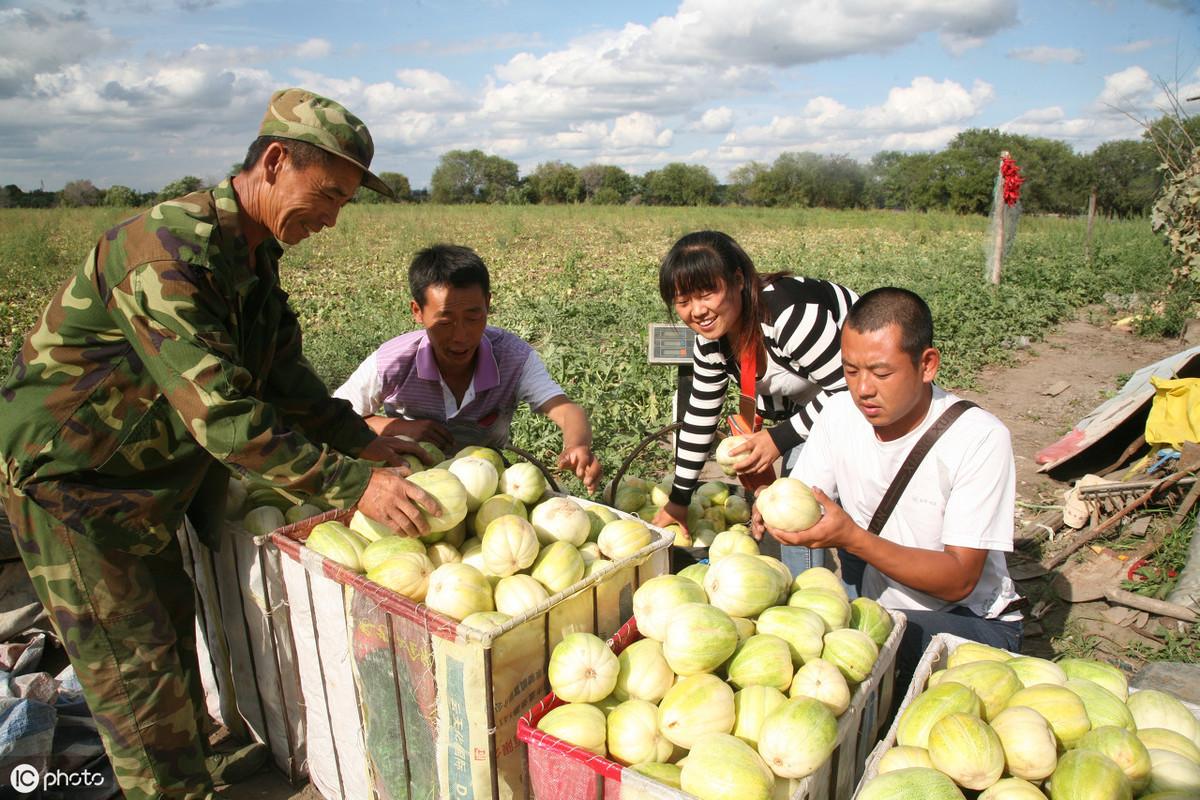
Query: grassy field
[[580, 283]]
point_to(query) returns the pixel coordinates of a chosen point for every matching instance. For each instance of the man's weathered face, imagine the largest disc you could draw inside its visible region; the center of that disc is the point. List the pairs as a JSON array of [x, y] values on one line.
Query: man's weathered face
[[304, 201], [454, 318], [887, 386]]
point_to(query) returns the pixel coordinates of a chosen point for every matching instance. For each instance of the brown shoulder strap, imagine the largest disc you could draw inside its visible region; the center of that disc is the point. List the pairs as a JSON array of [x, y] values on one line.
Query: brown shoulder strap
[[912, 461]]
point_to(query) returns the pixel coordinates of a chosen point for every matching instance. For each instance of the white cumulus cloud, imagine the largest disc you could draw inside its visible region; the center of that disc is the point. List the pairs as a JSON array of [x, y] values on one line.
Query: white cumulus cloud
[[582, 137], [1129, 100], [135, 123], [35, 41], [922, 106], [314, 48], [716, 47], [926, 104], [715, 120], [412, 91], [806, 31], [639, 130], [1082, 132], [1127, 90], [915, 141]]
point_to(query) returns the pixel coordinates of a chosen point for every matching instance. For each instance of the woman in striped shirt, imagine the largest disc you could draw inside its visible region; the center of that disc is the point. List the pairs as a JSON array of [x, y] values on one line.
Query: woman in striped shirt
[[792, 323]]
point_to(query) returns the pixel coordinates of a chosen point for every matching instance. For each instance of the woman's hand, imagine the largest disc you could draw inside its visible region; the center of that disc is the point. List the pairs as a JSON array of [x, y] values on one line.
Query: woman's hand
[[755, 454]]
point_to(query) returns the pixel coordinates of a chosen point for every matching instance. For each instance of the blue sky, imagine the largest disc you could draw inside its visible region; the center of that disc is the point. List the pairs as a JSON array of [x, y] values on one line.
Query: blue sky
[[140, 93]]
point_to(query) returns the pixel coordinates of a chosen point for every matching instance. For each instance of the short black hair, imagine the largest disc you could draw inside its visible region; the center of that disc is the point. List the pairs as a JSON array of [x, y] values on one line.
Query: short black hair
[[889, 305], [302, 154], [447, 265]]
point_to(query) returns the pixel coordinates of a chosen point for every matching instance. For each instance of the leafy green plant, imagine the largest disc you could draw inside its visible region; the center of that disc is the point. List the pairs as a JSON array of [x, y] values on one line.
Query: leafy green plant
[[1074, 643], [1169, 317], [1176, 212], [1180, 646], [1158, 576]]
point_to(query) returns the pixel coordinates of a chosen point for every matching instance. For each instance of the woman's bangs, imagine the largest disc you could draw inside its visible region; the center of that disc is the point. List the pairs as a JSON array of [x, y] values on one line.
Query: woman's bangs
[[699, 271]]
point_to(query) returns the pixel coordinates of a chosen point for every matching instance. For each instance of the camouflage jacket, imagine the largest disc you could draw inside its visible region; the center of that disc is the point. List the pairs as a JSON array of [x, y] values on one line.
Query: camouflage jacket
[[164, 353]]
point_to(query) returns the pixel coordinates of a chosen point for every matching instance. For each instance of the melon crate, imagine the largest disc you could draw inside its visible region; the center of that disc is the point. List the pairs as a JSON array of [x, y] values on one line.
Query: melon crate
[[1049, 721], [559, 770], [245, 645], [403, 702]]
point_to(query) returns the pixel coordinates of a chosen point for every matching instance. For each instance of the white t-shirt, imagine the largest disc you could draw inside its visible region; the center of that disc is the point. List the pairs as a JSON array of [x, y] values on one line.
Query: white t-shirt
[[962, 494]]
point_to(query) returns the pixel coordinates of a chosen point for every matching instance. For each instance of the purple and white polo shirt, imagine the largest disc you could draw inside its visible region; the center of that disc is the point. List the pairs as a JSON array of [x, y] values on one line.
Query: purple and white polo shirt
[[401, 379]]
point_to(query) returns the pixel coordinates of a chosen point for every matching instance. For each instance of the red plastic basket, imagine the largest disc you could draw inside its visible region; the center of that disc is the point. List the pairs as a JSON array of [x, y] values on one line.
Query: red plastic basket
[[559, 769]]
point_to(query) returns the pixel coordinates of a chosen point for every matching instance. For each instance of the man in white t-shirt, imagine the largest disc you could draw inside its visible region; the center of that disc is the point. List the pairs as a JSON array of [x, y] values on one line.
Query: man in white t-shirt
[[457, 381], [939, 558]]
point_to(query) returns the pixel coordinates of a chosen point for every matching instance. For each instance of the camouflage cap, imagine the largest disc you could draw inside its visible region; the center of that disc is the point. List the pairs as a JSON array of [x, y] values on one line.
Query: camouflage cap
[[307, 117]]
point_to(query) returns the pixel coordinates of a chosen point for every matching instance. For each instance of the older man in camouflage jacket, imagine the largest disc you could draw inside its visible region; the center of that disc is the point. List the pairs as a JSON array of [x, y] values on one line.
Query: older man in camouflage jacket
[[170, 351]]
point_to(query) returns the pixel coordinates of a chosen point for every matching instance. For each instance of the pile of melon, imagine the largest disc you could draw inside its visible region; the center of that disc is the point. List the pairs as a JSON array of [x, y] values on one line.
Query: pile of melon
[[1018, 727], [716, 507], [501, 547], [261, 508], [737, 684]]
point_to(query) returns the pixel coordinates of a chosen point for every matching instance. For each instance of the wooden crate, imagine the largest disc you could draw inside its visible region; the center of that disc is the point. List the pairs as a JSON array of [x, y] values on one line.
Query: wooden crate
[[403, 702], [561, 771], [244, 643], [932, 660]]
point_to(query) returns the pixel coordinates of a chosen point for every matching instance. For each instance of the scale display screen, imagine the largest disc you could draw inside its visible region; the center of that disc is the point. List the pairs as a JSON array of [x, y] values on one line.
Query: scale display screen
[[670, 343]]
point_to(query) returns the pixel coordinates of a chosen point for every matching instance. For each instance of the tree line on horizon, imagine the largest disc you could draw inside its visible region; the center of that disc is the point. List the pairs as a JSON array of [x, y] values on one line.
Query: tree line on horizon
[[1124, 174]]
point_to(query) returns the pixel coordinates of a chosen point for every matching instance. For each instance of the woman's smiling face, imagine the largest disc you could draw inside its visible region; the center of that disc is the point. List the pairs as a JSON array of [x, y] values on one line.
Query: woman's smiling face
[[713, 312]]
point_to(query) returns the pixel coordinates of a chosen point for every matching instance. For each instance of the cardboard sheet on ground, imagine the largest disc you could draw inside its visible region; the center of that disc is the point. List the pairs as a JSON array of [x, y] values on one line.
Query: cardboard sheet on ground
[[1081, 581], [1102, 435]]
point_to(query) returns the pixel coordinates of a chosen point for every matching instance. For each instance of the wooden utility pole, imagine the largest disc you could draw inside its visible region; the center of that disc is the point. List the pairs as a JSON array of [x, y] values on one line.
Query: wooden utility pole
[[1087, 243], [998, 246]]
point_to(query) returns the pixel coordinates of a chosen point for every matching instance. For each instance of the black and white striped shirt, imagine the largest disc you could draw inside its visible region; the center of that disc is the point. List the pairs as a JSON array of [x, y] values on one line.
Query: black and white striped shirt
[[803, 338]]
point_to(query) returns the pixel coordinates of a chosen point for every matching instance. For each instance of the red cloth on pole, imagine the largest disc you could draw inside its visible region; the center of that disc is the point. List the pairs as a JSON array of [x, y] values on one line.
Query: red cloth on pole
[[1011, 174]]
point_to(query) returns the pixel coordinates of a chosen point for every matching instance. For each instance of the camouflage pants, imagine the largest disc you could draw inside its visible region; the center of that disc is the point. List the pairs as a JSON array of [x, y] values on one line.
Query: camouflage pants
[[127, 624]]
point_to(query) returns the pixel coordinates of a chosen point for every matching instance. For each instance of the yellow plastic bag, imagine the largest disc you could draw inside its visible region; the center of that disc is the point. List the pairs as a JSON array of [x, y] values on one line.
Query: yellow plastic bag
[[1175, 412]]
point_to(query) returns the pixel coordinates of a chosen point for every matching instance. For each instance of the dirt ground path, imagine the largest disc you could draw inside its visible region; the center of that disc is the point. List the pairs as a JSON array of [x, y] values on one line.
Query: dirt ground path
[[1094, 360]]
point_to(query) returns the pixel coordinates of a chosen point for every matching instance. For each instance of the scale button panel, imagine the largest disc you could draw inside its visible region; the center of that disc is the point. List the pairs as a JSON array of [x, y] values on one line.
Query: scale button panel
[[670, 343]]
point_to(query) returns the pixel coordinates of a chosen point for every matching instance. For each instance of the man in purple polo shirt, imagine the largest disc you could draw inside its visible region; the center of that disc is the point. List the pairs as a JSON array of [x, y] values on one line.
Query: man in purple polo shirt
[[457, 381]]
